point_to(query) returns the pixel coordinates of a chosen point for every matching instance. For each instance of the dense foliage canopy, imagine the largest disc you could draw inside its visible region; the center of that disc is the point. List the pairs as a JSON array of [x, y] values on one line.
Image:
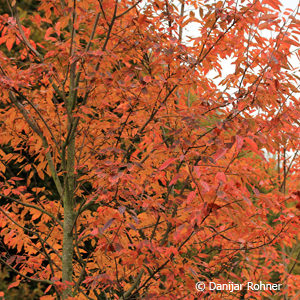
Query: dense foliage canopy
[[131, 167]]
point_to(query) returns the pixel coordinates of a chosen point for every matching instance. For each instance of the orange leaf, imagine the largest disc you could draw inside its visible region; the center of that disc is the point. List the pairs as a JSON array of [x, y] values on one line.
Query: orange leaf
[[9, 43], [252, 145], [14, 284]]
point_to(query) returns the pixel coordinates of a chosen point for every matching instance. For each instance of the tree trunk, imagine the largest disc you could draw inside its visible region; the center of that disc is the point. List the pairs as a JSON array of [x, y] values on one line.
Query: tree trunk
[[69, 187]]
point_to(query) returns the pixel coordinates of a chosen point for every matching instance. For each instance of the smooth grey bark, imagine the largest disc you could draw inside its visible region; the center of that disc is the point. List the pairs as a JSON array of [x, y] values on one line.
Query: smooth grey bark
[[69, 187]]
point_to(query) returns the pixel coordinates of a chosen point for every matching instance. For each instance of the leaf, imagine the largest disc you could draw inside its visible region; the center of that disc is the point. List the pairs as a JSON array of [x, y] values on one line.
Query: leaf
[[9, 43], [239, 142], [174, 179], [191, 196], [220, 153], [221, 177], [205, 186], [48, 36], [121, 209], [252, 145], [277, 84], [14, 284], [57, 28], [35, 215], [273, 3], [47, 289], [201, 11], [147, 79], [17, 178], [167, 163], [197, 171], [107, 225], [95, 231], [3, 39], [11, 259]]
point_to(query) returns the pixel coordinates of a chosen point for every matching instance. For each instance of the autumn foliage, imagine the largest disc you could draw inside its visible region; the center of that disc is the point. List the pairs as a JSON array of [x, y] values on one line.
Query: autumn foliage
[[131, 167]]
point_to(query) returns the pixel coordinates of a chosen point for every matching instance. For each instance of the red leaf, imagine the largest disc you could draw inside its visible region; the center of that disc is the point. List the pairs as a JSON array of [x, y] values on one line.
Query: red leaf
[[191, 197], [3, 39], [9, 43], [205, 186], [47, 289], [197, 171], [174, 179], [147, 79], [57, 28], [17, 178], [48, 33], [6, 192], [252, 145], [114, 179], [221, 177], [277, 84], [220, 153], [166, 163], [95, 231], [247, 200], [273, 3], [14, 284], [239, 142]]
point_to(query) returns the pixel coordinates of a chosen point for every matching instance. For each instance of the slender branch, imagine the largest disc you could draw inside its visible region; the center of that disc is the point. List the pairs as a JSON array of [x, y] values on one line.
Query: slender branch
[[134, 285], [102, 10], [110, 26], [25, 276], [39, 114], [128, 10], [181, 15], [26, 41], [35, 127], [289, 167], [28, 230], [165, 263], [33, 206], [295, 263], [92, 33]]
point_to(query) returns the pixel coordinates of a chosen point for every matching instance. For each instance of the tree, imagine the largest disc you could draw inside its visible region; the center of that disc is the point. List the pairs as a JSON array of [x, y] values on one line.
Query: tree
[[127, 171]]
